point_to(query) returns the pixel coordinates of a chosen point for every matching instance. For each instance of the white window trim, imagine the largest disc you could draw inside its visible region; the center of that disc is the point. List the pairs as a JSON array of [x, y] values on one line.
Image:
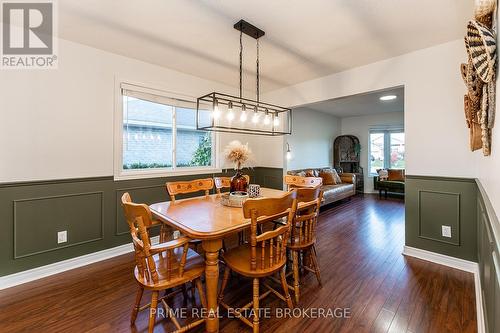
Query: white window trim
[[124, 174], [396, 129]]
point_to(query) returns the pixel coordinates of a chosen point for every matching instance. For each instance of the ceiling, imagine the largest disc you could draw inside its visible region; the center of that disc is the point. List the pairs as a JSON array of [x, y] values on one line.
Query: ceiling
[[304, 39], [362, 104]]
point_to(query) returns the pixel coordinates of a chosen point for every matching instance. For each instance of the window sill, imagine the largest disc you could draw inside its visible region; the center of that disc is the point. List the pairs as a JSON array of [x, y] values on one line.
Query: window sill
[[159, 173]]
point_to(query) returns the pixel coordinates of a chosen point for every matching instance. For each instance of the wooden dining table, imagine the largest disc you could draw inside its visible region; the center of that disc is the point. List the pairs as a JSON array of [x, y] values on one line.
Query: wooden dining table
[[206, 219]]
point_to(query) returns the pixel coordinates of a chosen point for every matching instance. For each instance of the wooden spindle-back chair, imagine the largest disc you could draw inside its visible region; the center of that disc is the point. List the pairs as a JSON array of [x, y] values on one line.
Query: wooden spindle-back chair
[[301, 182], [265, 255], [166, 232], [204, 185], [191, 186], [162, 266], [225, 182], [303, 234]]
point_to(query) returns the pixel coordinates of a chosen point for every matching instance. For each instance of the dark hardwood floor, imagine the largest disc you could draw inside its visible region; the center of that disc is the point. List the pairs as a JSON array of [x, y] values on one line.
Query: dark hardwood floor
[[359, 248]]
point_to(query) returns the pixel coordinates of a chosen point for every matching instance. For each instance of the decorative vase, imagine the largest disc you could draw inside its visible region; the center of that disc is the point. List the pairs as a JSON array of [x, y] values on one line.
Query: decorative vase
[[238, 182]]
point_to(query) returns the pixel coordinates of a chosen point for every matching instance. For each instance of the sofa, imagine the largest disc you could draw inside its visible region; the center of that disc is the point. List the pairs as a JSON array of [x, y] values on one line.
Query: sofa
[[331, 193], [393, 181]]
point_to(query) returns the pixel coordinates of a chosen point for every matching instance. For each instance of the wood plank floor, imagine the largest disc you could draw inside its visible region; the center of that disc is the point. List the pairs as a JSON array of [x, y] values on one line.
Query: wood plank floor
[[359, 248]]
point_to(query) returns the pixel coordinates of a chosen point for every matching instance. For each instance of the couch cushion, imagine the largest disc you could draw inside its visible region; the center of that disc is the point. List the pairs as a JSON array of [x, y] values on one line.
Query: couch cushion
[[332, 190], [391, 184]]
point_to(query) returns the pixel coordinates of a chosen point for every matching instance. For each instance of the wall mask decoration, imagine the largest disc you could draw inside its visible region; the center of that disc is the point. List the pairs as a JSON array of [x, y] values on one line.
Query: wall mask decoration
[[479, 75]]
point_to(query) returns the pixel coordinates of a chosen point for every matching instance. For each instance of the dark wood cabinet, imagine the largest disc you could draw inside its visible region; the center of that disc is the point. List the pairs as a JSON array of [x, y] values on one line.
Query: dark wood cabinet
[[346, 158]]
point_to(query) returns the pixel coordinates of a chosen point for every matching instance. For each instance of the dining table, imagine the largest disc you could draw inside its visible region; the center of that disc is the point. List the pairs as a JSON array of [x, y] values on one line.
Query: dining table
[[205, 218]]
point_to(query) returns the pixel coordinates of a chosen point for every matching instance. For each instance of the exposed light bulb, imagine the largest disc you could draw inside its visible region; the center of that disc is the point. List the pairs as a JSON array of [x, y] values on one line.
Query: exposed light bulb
[[288, 151], [243, 116], [230, 114], [276, 121], [255, 118], [267, 118], [216, 112]]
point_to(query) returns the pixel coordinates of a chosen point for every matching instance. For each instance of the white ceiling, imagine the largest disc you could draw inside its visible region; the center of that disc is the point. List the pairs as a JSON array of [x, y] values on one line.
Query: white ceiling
[[304, 39], [362, 104]]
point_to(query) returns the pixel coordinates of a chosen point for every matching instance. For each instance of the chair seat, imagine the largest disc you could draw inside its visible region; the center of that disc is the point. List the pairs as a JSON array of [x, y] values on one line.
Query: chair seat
[[296, 245], [238, 259], [194, 268]]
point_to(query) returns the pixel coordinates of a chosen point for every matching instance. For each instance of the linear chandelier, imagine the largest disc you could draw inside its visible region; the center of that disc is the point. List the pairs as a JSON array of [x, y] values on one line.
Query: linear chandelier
[[220, 112]]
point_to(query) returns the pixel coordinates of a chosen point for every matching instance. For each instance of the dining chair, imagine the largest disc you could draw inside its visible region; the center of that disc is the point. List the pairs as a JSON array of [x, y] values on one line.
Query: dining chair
[[161, 267], [300, 182], [192, 186], [225, 182], [303, 235], [166, 232], [295, 182], [264, 256]]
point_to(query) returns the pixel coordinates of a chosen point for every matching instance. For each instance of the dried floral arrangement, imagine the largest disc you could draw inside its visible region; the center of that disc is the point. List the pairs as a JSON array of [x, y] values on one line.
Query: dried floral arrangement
[[238, 154], [479, 75]]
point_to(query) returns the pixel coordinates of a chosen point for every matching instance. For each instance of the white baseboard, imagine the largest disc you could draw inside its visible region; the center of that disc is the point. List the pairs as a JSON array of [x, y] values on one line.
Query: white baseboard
[[441, 259], [65, 265], [457, 263]]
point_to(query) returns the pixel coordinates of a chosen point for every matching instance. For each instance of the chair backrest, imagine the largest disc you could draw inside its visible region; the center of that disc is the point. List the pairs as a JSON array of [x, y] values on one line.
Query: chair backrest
[[300, 182], [225, 182], [303, 231], [184, 187], [133, 210], [139, 218], [265, 210]]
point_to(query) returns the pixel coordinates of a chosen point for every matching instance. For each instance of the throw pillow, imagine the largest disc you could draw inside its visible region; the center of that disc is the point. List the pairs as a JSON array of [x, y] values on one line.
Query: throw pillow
[[336, 177], [310, 173], [327, 177], [396, 175], [382, 174]]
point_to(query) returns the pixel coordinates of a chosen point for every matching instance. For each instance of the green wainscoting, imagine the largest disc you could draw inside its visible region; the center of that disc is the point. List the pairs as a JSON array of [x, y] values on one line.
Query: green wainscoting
[[489, 260], [31, 213], [269, 177], [464, 205], [435, 201]]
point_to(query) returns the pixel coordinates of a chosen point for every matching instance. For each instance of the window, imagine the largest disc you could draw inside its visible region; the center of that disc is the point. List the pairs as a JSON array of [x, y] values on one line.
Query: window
[[159, 134], [387, 150]]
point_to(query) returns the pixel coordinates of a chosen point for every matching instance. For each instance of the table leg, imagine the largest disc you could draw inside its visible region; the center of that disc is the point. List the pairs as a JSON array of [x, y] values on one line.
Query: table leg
[[212, 248]]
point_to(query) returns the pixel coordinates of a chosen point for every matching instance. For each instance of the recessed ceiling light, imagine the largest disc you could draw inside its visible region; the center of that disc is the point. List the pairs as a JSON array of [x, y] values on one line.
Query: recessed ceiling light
[[388, 97]]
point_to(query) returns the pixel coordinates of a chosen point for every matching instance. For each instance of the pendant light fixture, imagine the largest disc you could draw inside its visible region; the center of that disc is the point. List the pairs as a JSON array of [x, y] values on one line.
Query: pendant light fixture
[[225, 110]]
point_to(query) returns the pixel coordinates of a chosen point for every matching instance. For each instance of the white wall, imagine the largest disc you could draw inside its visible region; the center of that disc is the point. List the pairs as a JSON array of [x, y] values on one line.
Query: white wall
[[312, 138], [360, 126], [436, 137], [59, 123]]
